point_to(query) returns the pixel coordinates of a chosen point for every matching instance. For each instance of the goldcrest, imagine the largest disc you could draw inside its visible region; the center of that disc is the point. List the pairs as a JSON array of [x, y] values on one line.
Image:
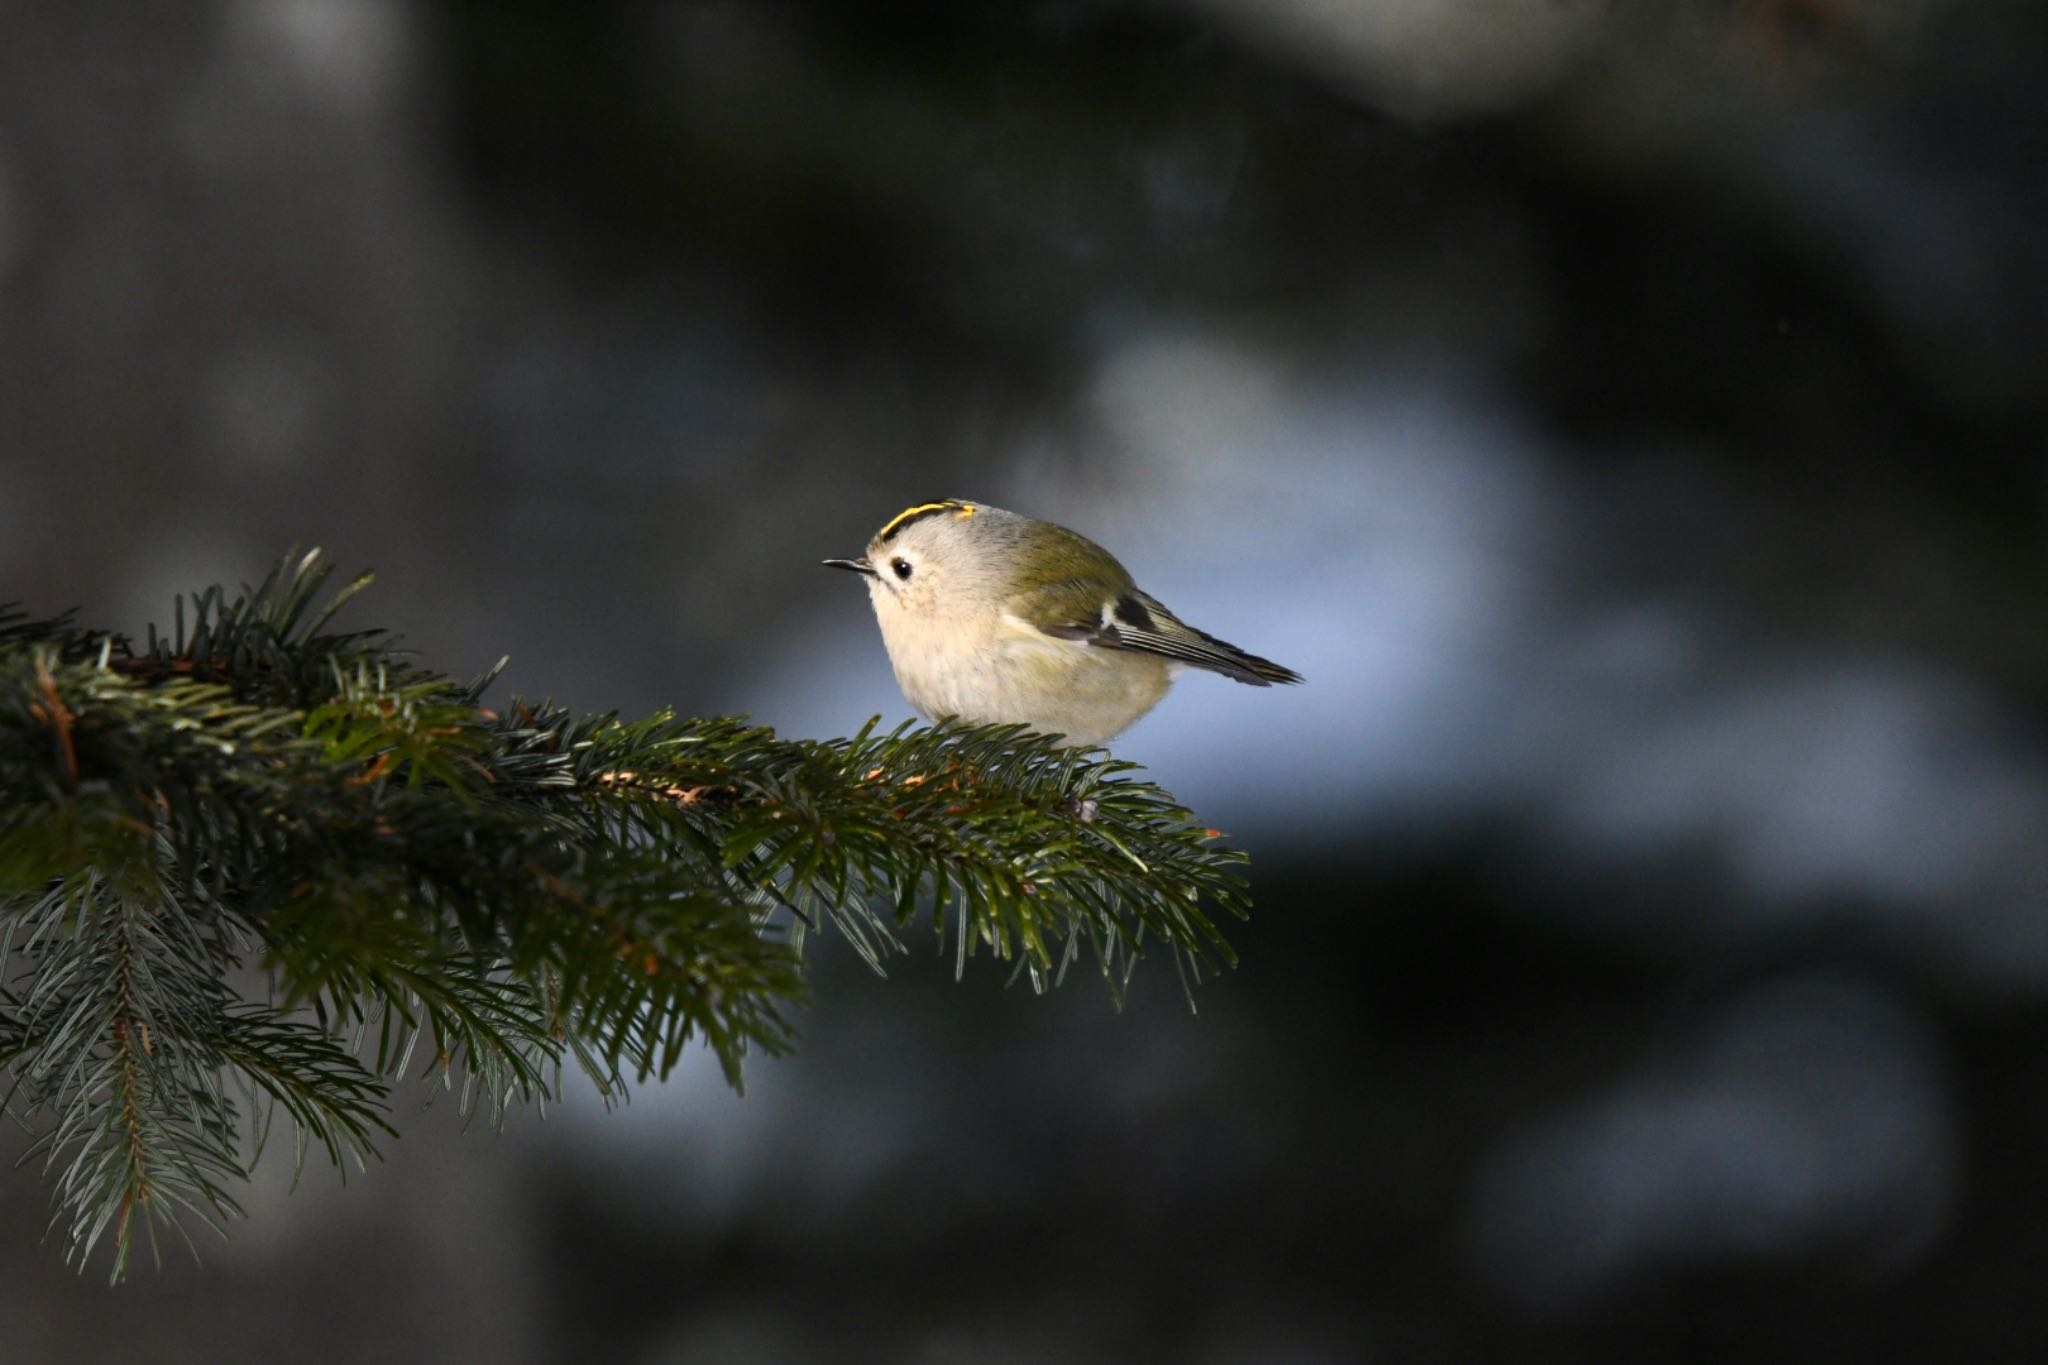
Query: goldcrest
[[995, 617]]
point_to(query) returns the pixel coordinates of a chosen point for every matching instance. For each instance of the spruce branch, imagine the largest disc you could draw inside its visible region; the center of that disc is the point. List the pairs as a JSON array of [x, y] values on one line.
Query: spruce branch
[[255, 868]]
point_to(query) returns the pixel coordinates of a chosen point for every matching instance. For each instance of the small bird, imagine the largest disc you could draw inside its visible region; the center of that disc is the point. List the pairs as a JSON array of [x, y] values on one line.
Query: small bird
[[995, 617]]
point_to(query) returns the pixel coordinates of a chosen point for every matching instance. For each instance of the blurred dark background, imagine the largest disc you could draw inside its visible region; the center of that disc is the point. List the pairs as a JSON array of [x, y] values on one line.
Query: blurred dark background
[[1629, 417]]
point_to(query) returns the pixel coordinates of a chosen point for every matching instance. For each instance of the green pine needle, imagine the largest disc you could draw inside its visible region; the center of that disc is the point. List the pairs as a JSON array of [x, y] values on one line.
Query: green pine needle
[[436, 891]]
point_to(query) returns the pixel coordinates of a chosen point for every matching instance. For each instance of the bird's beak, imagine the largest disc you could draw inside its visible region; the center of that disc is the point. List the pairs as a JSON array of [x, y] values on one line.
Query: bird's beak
[[860, 565]]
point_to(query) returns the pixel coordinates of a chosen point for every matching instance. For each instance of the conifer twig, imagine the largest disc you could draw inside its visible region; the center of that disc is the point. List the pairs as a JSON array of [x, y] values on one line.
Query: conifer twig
[[473, 895]]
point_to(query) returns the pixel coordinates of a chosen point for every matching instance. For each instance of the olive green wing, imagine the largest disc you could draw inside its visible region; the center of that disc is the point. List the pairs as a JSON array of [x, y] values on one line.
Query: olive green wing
[[1137, 622]]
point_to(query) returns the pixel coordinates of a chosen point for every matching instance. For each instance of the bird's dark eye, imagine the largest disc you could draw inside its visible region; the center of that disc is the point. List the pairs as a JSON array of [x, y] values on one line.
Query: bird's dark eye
[[901, 566]]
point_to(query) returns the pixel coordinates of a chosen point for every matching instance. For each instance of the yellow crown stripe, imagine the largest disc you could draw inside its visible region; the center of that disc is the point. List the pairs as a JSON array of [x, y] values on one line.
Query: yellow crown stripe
[[923, 509]]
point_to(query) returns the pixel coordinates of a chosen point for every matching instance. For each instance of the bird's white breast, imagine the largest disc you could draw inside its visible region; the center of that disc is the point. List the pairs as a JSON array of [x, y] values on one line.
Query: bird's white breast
[[993, 668]]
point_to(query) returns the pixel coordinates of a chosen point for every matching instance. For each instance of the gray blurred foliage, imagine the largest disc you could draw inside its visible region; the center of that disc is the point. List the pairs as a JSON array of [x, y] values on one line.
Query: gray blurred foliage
[[1627, 416]]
